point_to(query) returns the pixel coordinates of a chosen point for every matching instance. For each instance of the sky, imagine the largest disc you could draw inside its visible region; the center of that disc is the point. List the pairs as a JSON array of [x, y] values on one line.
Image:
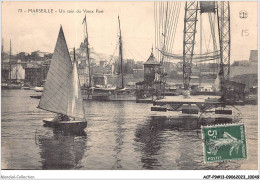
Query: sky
[[31, 31]]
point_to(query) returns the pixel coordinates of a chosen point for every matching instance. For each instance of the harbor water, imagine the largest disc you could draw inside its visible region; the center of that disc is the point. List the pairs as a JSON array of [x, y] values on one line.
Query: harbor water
[[120, 135]]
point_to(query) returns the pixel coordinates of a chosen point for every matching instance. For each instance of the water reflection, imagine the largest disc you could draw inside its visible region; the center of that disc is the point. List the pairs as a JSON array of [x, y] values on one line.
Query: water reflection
[[61, 150], [119, 136], [153, 138], [148, 135], [119, 118], [190, 151]]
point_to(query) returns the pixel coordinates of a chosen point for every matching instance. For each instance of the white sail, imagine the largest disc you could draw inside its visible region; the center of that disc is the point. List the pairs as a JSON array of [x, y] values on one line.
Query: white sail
[[75, 100], [59, 87]]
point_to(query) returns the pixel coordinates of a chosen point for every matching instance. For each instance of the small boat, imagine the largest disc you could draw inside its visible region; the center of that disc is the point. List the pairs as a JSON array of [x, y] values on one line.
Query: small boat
[[39, 88], [251, 99], [62, 92], [36, 96], [10, 86], [26, 87], [114, 94]]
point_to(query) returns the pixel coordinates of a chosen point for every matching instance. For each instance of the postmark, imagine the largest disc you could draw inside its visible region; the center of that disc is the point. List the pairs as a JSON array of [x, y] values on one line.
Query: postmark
[[224, 142]]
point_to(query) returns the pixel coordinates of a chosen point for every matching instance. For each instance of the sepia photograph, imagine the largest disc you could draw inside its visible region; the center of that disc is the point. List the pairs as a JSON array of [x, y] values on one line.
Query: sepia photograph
[[136, 85]]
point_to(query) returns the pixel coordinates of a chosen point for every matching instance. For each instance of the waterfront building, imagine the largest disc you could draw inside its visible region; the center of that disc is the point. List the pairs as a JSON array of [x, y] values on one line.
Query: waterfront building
[[5, 69], [138, 73], [249, 80], [139, 65], [99, 80], [35, 74], [129, 66], [17, 72], [253, 56], [246, 73]]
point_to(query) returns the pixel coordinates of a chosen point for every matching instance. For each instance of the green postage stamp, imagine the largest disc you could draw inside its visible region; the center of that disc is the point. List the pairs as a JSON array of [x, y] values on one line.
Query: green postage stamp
[[224, 142]]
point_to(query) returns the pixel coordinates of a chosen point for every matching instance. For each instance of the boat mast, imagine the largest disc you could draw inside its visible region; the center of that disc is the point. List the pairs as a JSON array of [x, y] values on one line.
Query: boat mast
[[74, 55], [121, 54], [200, 48], [16, 72], [2, 48], [10, 60], [87, 52]]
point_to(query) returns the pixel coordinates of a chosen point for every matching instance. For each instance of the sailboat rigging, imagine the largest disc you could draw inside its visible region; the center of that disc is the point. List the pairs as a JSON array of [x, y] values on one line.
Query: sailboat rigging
[[121, 55], [10, 62], [62, 92], [120, 92], [87, 51], [12, 83]]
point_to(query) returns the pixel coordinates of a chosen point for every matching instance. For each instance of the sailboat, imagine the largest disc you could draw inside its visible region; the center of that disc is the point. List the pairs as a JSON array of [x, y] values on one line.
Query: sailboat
[[120, 92], [87, 88], [62, 93], [11, 83]]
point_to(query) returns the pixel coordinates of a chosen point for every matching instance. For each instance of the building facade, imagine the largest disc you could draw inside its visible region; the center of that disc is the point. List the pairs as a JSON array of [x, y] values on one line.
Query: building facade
[[35, 74]]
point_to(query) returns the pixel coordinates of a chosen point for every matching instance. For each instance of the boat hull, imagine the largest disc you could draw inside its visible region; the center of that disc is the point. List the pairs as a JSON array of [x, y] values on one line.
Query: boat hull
[[10, 87], [26, 88], [110, 96], [122, 97], [36, 97], [113, 97], [73, 126], [39, 89]]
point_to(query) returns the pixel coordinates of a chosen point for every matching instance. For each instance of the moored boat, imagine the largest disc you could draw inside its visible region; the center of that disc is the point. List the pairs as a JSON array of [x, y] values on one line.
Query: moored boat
[[36, 96], [39, 88], [10, 86], [118, 93], [26, 87], [12, 82]]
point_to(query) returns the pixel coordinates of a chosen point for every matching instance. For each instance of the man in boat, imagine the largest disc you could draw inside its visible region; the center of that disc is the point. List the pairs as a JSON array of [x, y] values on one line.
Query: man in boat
[[61, 117]]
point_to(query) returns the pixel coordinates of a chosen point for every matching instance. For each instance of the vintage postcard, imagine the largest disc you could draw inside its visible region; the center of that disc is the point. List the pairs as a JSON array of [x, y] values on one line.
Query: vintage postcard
[[136, 85]]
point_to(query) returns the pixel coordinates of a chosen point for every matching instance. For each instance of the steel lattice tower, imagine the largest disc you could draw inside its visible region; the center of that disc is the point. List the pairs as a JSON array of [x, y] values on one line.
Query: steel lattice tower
[[190, 21], [223, 13]]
